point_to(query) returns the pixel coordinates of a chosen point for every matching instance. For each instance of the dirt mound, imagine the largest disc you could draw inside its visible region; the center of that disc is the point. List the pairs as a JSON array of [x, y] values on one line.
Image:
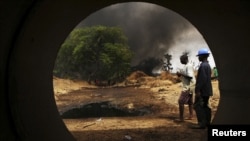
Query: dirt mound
[[136, 75], [168, 76], [64, 86], [140, 78]]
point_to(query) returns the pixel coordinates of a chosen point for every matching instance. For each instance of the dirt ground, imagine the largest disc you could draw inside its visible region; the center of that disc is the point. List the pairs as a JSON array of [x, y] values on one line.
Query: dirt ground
[[147, 105]]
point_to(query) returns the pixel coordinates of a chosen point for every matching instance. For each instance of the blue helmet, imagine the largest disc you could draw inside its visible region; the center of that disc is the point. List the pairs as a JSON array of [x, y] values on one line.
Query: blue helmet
[[203, 51]]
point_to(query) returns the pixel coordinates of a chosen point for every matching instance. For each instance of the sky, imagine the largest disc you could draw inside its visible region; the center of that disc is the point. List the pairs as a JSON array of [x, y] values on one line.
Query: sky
[[152, 31]]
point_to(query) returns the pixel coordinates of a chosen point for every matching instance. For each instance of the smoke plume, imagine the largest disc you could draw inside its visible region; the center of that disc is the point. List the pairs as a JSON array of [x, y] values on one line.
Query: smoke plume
[[152, 30]]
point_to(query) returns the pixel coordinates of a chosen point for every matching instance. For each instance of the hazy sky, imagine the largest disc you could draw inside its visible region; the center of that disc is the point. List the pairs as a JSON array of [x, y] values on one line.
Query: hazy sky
[[152, 31]]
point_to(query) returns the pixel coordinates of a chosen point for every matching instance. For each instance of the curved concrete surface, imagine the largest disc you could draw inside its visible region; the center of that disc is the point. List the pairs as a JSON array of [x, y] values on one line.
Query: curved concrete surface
[[32, 32]]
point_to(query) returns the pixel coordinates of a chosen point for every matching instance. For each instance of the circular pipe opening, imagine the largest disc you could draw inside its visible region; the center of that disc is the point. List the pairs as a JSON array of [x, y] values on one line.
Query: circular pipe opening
[[46, 27]]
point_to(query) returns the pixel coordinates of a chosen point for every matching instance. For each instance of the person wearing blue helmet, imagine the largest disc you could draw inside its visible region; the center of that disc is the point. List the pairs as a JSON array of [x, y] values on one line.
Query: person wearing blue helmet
[[203, 90]]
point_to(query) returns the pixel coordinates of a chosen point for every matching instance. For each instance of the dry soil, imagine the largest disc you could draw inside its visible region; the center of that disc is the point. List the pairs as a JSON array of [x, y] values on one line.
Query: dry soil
[[145, 109]]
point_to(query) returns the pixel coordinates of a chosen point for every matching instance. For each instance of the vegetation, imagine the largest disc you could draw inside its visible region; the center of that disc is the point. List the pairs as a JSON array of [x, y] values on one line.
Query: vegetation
[[94, 53], [168, 65]]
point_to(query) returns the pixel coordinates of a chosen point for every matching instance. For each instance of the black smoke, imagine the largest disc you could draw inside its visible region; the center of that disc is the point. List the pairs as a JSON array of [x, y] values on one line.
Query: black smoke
[[151, 29]]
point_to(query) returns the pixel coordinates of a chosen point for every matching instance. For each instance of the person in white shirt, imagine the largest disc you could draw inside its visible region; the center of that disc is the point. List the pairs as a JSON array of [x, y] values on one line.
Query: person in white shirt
[[188, 84]]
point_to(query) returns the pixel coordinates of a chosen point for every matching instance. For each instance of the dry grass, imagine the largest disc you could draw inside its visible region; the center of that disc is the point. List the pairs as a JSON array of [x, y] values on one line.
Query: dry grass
[[168, 76], [136, 75]]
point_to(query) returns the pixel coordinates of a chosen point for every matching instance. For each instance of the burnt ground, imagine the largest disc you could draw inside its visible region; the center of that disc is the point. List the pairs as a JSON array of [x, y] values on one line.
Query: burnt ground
[[144, 112]]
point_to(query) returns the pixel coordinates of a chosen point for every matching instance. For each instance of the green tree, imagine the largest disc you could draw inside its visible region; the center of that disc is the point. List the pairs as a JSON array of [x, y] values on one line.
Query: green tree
[[96, 52]]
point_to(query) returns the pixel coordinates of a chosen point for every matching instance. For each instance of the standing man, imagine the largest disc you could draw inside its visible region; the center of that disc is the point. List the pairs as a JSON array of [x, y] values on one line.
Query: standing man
[[188, 82], [203, 90]]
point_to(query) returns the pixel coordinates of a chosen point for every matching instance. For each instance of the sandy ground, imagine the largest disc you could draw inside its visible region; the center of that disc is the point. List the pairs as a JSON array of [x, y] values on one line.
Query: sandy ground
[[155, 97]]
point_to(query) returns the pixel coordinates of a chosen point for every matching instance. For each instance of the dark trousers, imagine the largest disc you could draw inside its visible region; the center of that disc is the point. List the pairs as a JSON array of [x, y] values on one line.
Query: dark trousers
[[203, 111]]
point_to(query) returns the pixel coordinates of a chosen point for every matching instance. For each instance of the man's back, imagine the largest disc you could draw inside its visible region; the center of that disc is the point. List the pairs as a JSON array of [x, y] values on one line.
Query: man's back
[[203, 81]]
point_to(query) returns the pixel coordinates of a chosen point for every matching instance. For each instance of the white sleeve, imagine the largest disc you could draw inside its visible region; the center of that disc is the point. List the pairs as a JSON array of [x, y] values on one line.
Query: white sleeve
[[189, 71]]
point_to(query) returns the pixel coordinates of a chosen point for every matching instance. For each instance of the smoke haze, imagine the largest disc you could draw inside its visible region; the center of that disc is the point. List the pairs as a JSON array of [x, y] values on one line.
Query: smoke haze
[[152, 30]]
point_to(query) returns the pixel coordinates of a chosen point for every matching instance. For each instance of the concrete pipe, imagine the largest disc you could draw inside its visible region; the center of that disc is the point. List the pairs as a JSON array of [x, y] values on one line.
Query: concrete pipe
[[31, 35]]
